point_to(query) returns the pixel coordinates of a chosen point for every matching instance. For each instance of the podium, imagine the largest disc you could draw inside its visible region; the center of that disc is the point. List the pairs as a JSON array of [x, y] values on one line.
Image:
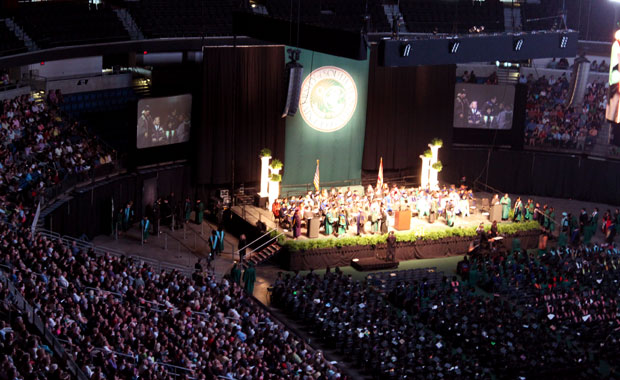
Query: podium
[[312, 226], [495, 213], [402, 220]]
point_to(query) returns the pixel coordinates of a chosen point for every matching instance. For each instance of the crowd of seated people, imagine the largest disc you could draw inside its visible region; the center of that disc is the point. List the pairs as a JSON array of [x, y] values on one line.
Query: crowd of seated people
[[121, 319], [39, 147], [377, 336], [550, 122], [423, 329], [22, 354]]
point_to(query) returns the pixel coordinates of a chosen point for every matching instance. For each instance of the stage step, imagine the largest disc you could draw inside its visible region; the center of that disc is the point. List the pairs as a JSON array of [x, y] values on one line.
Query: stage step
[[263, 255]]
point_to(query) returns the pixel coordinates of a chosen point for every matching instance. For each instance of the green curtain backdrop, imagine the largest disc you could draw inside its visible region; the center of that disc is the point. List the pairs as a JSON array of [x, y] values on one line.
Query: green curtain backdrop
[[339, 152]]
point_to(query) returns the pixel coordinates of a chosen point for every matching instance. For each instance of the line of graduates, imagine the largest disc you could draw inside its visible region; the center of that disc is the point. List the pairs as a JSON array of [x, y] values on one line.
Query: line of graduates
[[249, 277]]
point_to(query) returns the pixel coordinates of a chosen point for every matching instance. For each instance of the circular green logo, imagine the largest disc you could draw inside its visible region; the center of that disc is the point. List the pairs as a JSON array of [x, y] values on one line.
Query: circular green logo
[[328, 99]]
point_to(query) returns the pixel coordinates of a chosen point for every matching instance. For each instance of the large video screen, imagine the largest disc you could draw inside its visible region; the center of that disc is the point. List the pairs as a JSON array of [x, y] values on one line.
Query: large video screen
[[483, 106], [163, 121]]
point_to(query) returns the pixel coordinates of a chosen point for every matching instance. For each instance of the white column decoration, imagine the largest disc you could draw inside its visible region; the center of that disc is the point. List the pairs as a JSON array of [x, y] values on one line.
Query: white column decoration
[[264, 176], [274, 192], [433, 176]]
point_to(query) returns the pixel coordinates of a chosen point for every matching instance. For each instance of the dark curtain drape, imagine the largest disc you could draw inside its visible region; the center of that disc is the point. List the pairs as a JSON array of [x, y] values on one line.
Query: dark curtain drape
[[407, 108], [89, 210], [544, 174], [244, 92]]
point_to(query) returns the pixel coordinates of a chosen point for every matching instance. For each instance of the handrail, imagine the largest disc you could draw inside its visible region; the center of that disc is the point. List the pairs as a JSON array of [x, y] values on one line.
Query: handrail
[[268, 241], [257, 239], [36, 321]]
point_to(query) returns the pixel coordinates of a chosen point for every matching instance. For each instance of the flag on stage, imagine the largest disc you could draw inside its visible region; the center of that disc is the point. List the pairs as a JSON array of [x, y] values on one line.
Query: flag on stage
[[380, 176], [317, 177]]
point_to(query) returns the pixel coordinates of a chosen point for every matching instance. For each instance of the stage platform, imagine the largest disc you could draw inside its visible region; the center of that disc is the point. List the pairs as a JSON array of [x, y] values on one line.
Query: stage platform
[[253, 214], [368, 264]]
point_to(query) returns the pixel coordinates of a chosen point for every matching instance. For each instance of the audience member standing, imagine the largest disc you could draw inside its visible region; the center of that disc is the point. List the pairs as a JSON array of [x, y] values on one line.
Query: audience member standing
[[249, 277]]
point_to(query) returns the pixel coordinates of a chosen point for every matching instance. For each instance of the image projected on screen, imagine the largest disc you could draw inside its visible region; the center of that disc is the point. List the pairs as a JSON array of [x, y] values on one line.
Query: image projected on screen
[[483, 106], [163, 121]]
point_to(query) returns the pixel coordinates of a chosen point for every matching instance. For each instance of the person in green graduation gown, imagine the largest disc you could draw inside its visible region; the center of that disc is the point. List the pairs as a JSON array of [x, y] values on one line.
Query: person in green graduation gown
[[593, 223], [450, 216], [518, 211], [200, 209], [144, 226], [187, 209], [329, 222], [249, 277], [551, 221], [235, 274], [506, 202], [342, 223], [529, 210]]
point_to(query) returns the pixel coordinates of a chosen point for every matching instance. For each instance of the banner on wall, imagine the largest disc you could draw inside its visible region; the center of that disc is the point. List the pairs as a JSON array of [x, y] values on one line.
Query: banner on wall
[[331, 121]]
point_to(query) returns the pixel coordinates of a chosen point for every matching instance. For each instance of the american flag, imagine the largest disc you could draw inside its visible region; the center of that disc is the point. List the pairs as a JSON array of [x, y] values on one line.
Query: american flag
[[380, 176], [317, 177]]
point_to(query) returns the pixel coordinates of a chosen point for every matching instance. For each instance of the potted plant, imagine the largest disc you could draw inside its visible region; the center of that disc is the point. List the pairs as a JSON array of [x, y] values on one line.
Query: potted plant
[[265, 152]]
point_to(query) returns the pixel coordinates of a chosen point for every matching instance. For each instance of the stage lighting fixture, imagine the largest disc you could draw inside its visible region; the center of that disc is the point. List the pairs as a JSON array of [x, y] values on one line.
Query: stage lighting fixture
[[405, 50], [517, 44], [454, 46], [563, 41]]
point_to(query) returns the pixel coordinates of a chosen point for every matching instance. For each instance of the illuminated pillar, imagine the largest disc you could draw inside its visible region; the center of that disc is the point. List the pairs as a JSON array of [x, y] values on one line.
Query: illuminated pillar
[[274, 192], [426, 165], [264, 176], [433, 176]]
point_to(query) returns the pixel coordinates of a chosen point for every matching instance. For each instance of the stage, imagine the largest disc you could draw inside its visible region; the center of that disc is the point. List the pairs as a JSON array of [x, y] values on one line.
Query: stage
[[420, 226], [422, 247]]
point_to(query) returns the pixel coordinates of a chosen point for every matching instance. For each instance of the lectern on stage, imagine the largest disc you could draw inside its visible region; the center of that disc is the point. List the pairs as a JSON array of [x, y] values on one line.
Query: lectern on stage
[[495, 213], [402, 220]]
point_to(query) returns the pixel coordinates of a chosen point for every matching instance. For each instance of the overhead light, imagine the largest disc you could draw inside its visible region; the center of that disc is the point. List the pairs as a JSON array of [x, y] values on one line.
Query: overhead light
[[563, 41], [405, 50], [517, 44], [454, 46]]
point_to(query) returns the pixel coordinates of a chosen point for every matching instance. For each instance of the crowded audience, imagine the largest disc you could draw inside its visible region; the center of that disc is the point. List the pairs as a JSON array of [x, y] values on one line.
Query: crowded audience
[[121, 319], [40, 147], [551, 122]]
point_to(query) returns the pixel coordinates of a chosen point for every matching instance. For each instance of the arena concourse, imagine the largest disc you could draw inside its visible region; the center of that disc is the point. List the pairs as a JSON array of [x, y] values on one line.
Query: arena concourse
[[337, 189]]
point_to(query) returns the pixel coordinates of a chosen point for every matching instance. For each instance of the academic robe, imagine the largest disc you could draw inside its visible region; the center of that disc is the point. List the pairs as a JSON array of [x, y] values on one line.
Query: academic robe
[[329, 223], [220, 241], [200, 209], [552, 221], [529, 211], [342, 224], [450, 218], [506, 202], [249, 277], [235, 274], [188, 210], [297, 225], [145, 229], [518, 214]]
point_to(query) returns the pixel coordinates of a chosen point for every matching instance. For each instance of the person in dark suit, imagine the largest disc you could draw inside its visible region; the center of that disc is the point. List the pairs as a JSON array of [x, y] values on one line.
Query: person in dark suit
[[391, 247]]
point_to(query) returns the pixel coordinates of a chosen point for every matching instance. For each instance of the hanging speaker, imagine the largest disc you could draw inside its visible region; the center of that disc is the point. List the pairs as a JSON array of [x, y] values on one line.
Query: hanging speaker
[[294, 74]]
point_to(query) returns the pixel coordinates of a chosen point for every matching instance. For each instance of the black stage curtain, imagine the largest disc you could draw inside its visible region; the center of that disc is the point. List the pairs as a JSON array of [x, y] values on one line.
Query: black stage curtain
[[544, 174], [407, 108], [244, 92], [89, 210]]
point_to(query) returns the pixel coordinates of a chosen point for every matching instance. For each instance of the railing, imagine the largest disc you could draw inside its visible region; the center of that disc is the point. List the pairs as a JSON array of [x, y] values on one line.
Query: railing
[[35, 320], [102, 250], [254, 241], [275, 238]]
